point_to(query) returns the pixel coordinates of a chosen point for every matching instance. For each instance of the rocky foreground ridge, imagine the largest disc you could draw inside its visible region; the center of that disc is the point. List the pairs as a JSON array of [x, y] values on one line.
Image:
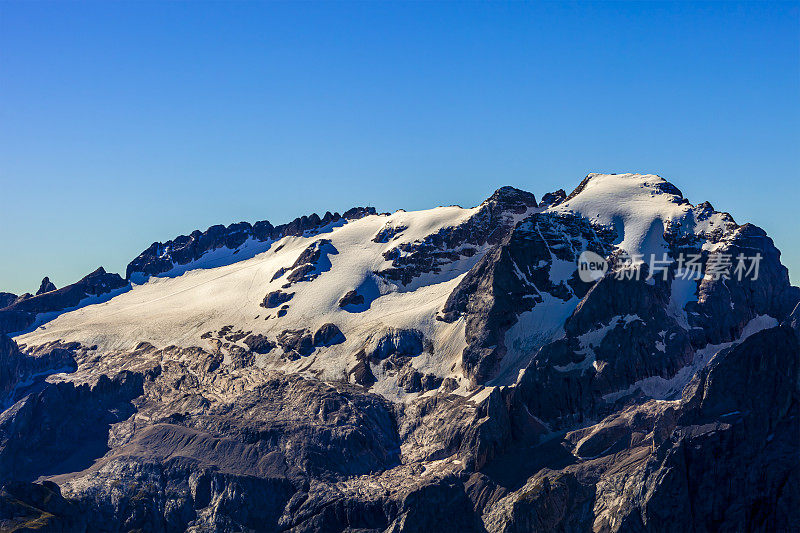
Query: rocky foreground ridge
[[441, 370]]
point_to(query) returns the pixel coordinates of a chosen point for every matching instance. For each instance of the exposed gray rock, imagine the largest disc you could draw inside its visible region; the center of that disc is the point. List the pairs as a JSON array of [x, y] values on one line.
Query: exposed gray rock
[[328, 335], [551, 199], [311, 263], [431, 506], [555, 502], [493, 294], [724, 308], [600, 432], [411, 380], [351, 298], [276, 298], [18, 369], [492, 222], [33, 506], [388, 233], [259, 343], [394, 341], [298, 341], [63, 426], [362, 373]]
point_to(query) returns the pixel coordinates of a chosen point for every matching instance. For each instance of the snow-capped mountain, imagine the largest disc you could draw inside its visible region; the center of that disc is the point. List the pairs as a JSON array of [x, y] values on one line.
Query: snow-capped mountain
[[447, 369]]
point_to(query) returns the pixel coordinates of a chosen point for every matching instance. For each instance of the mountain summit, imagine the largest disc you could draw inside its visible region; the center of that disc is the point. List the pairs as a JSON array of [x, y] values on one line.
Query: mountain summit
[[437, 370]]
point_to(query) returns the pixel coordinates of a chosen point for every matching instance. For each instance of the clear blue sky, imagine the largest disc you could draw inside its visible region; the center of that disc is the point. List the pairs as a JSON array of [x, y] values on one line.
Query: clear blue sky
[[126, 123]]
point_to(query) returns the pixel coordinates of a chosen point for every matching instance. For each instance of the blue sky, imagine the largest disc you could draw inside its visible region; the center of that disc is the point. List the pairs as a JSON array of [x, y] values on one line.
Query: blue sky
[[126, 123]]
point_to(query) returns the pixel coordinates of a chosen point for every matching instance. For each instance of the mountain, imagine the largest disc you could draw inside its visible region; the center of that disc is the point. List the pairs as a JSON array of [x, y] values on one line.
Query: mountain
[[442, 370]]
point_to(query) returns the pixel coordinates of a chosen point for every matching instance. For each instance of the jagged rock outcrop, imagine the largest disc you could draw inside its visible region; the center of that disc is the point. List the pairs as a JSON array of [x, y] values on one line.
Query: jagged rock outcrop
[[512, 278], [311, 263], [715, 460], [162, 257], [22, 313], [394, 341], [553, 198], [276, 298], [39, 506], [328, 335], [61, 424], [488, 226], [723, 309], [18, 370], [296, 342], [351, 298], [45, 286], [412, 380], [259, 343]]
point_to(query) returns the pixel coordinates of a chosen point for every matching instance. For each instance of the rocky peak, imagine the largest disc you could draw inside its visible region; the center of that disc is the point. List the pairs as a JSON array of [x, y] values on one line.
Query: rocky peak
[[553, 198], [492, 221], [45, 286], [510, 199]]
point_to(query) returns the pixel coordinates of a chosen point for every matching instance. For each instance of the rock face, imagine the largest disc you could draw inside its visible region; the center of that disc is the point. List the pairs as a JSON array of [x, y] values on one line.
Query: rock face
[[351, 298], [276, 298], [493, 220], [394, 341], [6, 299], [31, 506], [449, 370], [310, 264], [45, 286], [513, 278], [328, 335], [18, 370]]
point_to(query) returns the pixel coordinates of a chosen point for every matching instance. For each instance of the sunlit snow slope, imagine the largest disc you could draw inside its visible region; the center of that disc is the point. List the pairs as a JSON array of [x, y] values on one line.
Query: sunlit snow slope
[[179, 310], [187, 305]]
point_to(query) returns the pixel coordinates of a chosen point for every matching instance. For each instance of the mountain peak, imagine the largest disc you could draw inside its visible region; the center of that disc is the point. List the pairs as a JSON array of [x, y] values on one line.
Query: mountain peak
[[45, 286], [511, 197], [345, 353]]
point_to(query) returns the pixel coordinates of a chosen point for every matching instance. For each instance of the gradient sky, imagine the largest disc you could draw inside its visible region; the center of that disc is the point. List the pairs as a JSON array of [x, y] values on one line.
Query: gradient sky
[[126, 123]]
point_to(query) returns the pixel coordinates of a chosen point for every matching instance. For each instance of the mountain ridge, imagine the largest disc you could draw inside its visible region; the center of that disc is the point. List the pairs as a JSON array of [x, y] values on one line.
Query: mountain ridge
[[373, 370]]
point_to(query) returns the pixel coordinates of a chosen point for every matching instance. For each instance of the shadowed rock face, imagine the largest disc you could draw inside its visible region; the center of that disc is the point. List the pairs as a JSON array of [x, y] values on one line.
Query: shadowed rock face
[[18, 370], [394, 341], [512, 279], [63, 426], [489, 225], [721, 458], [46, 286], [646, 405], [22, 313], [723, 309], [30, 506], [328, 335], [351, 298], [6, 299]]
